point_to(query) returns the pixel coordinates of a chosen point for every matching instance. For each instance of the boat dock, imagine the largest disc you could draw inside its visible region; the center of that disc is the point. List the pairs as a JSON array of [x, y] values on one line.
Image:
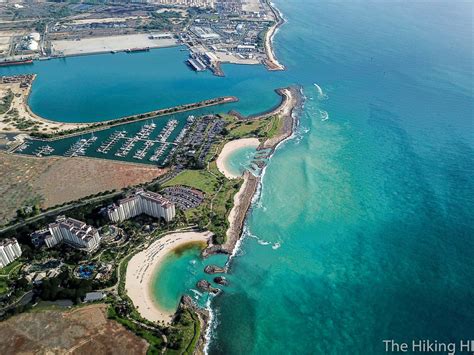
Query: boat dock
[[80, 147], [158, 153], [109, 143], [142, 135], [43, 151], [166, 132], [141, 153]]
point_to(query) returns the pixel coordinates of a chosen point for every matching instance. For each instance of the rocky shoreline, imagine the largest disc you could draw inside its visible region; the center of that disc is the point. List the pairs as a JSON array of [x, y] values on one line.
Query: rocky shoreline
[[290, 107], [292, 101], [187, 302]]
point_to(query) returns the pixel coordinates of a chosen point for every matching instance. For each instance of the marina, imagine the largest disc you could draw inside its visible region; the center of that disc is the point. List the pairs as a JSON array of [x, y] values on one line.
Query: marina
[[109, 143], [166, 132], [130, 143], [44, 150], [23, 146], [141, 153], [149, 142], [80, 147], [158, 153]]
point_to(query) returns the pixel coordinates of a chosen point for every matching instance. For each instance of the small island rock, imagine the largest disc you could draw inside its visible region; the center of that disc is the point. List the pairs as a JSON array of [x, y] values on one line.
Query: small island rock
[[221, 280], [214, 269], [206, 286]]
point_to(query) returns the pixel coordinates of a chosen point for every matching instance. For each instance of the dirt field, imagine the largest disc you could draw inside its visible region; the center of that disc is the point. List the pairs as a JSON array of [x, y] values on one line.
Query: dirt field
[[53, 181], [5, 38], [17, 175], [85, 330]]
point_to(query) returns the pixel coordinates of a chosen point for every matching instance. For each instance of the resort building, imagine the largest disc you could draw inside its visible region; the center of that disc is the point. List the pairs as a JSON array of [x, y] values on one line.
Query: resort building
[[142, 202], [74, 233], [9, 251]]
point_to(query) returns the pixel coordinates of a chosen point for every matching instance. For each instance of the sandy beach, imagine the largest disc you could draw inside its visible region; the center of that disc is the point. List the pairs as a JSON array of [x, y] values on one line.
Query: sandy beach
[[20, 105], [272, 61], [291, 100], [230, 148], [142, 267]]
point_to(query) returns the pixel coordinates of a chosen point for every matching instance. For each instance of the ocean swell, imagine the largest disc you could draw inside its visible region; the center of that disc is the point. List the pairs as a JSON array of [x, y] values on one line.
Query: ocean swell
[[295, 114]]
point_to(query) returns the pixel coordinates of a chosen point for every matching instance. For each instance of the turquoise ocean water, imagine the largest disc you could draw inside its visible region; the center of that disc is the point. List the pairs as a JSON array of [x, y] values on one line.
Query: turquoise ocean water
[[169, 284], [372, 208], [364, 227], [240, 160]]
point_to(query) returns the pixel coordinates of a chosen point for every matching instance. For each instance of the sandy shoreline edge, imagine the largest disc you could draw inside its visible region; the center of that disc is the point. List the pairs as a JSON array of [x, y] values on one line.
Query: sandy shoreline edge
[[272, 62], [143, 266], [229, 149]]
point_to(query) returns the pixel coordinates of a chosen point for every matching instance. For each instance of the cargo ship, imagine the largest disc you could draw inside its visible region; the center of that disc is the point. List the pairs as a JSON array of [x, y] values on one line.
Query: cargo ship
[[16, 62], [132, 50]]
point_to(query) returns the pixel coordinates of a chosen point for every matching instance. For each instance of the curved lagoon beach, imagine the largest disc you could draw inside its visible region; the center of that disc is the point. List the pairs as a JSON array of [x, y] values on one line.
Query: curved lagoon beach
[[363, 227], [143, 267], [236, 156]]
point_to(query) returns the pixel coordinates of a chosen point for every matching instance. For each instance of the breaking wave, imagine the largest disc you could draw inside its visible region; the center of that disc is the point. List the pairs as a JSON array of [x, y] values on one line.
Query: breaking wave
[[324, 115], [211, 327], [321, 94]]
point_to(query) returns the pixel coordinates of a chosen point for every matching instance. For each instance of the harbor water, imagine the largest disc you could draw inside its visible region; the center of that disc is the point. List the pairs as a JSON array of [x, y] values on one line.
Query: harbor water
[[363, 228]]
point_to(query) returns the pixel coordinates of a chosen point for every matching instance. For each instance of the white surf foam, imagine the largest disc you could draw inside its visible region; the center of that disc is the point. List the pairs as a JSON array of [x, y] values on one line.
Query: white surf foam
[[213, 322], [324, 115], [259, 240], [210, 327], [321, 94], [196, 292]]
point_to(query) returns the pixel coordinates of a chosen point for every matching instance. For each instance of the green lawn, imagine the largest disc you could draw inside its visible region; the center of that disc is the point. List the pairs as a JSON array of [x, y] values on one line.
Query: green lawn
[[275, 126], [247, 129], [3, 285], [199, 179], [264, 127], [7, 269]]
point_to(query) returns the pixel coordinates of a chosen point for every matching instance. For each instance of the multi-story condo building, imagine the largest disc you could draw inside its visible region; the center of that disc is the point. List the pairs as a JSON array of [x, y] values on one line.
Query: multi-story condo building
[[73, 232], [9, 251], [142, 202]]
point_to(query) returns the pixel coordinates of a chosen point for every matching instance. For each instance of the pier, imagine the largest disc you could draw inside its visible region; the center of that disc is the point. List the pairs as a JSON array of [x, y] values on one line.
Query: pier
[[80, 147]]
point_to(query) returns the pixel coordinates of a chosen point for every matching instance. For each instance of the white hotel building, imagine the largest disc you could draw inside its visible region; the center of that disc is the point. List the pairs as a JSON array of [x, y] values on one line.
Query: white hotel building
[[142, 201], [73, 232], [9, 251]]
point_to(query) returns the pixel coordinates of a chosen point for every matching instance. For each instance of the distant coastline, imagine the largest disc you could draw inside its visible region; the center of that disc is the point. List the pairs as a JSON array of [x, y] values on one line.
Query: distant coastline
[[272, 61]]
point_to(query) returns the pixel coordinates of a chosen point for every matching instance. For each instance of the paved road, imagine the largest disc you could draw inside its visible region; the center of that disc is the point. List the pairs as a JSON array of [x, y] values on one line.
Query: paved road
[[72, 205]]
